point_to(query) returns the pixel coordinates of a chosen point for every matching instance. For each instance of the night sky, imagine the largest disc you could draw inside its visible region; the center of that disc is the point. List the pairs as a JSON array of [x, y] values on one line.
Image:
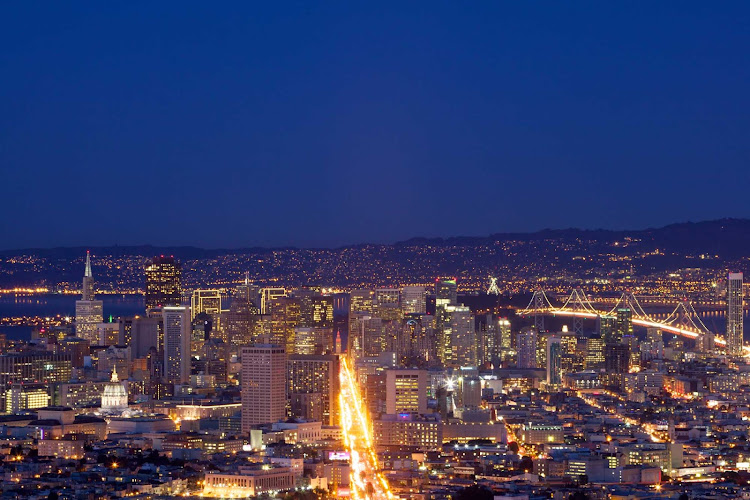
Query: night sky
[[262, 123]]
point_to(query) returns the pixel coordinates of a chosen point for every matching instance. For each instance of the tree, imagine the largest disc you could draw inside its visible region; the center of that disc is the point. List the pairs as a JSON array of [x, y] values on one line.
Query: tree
[[513, 447], [526, 464], [579, 495], [474, 492], [53, 496]]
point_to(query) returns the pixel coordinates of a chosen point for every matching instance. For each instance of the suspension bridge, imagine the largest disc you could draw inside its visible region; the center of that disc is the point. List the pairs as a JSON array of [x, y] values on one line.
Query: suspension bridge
[[683, 320]]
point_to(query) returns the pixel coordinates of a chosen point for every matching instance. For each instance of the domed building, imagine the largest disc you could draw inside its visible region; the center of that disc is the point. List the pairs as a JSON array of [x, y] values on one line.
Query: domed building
[[115, 396]]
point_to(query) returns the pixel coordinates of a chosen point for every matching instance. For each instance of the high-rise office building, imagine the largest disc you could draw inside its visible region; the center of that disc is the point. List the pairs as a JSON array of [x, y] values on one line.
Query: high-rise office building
[[413, 300], [526, 341], [488, 336], [312, 385], [457, 341], [616, 362], [360, 306], [406, 391], [88, 310], [606, 329], [623, 325], [416, 342], [163, 286], [141, 334], [243, 317], [735, 322], [594, 357], [503, 326], [653, 347], [388, 304], [177, 329], [446, 292], [263, 384], [286, 316], [361, 301], [267, 296], [554, 360], [541, 349], [205, 301]]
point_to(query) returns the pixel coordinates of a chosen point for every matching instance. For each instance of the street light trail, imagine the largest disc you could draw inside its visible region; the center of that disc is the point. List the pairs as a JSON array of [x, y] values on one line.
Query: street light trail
[[367, 481]]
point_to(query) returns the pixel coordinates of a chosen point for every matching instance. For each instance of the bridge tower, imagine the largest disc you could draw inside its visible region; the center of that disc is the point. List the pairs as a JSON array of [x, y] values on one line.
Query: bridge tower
[[578, 305], [539, 299], [493, 288]]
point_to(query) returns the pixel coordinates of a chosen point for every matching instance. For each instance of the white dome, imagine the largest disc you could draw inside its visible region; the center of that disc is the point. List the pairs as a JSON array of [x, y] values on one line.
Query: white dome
[[114, 397]]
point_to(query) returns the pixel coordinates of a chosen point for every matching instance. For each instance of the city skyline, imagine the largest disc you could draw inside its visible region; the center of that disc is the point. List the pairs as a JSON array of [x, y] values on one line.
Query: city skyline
[[413, 251]]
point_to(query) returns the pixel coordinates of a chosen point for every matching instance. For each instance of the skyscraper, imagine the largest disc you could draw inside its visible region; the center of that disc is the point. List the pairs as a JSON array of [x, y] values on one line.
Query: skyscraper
[[388, 303], [286, 316], [446, 292], [263, 384], [735, 323], [413, 300], [457, 340], [243, 315], [406, 391], [176, 344], [163, 283], [623, 324], [313, 387], [503, 326], [267, 296], [526, 348], [616, 362], [206, 301], [88, 310], [554, 360]]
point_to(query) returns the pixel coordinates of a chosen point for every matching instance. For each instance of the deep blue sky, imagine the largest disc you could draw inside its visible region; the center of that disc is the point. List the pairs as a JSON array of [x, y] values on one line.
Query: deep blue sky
[[219, 124]]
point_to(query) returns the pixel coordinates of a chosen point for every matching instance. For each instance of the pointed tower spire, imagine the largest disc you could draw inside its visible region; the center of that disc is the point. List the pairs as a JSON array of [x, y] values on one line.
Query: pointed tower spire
[[88, 280], [247, 278], [114, 378], [87, 273]]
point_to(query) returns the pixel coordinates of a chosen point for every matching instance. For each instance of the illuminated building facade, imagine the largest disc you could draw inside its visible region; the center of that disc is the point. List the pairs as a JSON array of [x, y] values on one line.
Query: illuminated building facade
[[413, 300], [735, 322], [594, 357], [312, 385], [88, 310], [163, 283], [267, 296], [26, 397], [248, 482], [623, 325], [541, 433], [208, 302], [424, 432], [526, 341], [406, 391], [286, 316], [457, 342], [243, 315], [40, 367], [388, 304], [554, 360], [176, 344], [263, 384], [446, 292]]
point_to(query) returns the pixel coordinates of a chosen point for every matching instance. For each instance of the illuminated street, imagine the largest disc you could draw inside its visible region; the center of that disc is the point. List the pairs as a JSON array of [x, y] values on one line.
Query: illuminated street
[[366, 480]]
